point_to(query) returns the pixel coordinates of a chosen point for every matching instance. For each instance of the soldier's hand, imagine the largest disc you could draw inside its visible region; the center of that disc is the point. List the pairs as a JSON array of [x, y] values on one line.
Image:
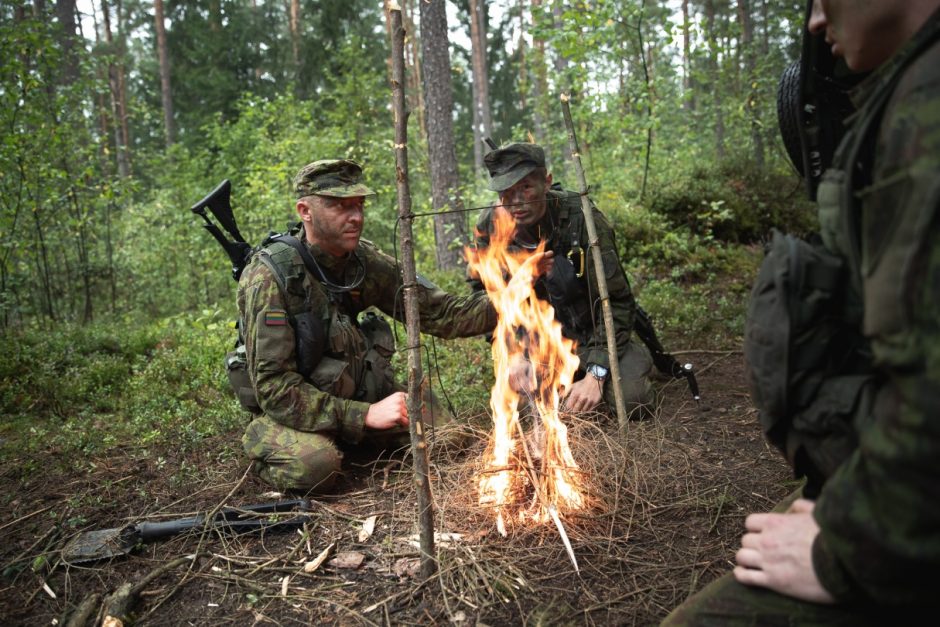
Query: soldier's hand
[[545, 262], [584, 395], [520, 375], [777, 553], [391, 411]]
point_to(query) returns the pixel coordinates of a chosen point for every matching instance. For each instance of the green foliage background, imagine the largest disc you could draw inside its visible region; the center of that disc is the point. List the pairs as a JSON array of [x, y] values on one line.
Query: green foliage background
[[116, 306]]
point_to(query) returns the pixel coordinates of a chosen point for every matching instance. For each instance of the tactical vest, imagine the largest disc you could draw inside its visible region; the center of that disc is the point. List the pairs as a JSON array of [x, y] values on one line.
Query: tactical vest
[[809, 364], [566, 289], [335, 351]]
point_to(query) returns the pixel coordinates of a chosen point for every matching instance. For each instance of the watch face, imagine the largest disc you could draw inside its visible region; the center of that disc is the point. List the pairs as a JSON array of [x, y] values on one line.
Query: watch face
[[597, 371]]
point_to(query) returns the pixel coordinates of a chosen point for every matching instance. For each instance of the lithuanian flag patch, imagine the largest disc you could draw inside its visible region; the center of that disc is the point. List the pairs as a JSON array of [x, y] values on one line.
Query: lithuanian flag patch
[[275, 318]]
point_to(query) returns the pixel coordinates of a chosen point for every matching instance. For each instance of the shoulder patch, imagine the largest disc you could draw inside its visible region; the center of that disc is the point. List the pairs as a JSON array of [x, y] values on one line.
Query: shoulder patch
[[275, 318]]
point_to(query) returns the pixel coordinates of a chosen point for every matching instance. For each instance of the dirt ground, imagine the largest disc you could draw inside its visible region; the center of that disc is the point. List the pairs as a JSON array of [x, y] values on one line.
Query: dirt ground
[[667, 511]]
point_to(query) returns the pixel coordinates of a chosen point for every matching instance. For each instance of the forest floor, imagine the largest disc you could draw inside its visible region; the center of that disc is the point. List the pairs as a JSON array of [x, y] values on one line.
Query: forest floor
[[666, 515]]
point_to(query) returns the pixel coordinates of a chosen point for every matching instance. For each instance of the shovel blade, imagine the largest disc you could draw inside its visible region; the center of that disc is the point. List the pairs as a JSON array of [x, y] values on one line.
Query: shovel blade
[[100, 544]]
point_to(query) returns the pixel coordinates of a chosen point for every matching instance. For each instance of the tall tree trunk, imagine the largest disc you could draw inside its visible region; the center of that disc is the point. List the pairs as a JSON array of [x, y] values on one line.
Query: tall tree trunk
[[414, 77], [688, 97], [521, 48], [711, 41], [540, 80], [121, 54], [163, 57], [482, 121], [449, 228], [120, 148], [750, 63], [294, 24], [65, 12]]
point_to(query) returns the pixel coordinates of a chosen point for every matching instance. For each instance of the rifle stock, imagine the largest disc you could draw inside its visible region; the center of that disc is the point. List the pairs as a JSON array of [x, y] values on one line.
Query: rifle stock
[[664, 362], [218, 201]]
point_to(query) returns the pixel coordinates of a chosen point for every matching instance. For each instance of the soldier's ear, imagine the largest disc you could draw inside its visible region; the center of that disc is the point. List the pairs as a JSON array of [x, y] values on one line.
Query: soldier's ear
[[548, 180], [304, 209]]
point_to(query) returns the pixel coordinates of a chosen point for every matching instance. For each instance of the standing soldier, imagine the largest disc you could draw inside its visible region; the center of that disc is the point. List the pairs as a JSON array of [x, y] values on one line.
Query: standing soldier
[[320, 374], [867, 549], [542, 213]]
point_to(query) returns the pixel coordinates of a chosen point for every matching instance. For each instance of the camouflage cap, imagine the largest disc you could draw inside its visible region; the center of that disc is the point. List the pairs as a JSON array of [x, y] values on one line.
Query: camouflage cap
[[331, 177], [511, 163]]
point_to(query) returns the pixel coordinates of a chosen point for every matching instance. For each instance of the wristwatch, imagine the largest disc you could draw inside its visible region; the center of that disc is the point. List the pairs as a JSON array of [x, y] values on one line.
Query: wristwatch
[[598, 372]]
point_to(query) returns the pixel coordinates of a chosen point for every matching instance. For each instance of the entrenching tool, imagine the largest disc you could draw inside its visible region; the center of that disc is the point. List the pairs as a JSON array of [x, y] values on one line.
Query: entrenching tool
[[105, 543]]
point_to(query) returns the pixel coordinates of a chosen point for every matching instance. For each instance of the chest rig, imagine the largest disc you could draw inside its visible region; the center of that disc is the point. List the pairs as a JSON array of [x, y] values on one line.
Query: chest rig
[[336, 350]]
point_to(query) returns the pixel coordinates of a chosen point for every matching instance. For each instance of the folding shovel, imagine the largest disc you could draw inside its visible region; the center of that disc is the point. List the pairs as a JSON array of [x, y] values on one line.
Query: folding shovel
[[104, 543]]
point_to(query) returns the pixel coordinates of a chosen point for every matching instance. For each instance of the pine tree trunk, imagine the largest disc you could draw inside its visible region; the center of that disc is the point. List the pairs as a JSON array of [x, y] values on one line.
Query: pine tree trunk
[[295, 36], [163, 57], [449, 229], [750, 63], [712, 42], [414, 77], [120, 148], [539, 82], [65, 12], [482, 122], [688, 99]]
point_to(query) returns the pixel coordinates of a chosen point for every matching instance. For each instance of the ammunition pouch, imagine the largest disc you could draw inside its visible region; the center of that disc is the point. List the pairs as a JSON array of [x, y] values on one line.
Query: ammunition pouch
[[802, 361], [311, 339], [379, 376], [332, 375]]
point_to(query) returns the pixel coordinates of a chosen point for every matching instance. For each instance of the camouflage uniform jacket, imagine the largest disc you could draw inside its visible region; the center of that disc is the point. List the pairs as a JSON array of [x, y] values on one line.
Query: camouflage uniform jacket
[[332, 400], [879, 513], [583, 321]]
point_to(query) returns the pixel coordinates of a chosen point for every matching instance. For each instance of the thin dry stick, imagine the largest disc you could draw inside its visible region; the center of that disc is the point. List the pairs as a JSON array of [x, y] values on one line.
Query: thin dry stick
[[599, 273], [416, 425]]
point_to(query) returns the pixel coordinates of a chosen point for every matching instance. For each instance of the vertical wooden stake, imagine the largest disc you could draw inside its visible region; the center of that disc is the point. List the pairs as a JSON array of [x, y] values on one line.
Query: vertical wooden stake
[[416, 426], [598, 269]]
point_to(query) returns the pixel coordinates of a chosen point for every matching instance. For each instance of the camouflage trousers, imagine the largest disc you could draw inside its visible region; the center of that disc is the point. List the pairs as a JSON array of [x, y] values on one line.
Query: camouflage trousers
[[636, 365], [725, 602], [289, 459]]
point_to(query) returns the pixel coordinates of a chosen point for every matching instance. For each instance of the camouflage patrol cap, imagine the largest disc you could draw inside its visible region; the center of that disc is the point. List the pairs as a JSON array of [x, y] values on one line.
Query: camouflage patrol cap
[[340, 178], [511, 163]]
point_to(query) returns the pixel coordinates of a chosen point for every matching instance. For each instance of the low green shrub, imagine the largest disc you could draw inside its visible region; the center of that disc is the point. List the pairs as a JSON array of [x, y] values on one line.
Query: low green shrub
[[732, 201]]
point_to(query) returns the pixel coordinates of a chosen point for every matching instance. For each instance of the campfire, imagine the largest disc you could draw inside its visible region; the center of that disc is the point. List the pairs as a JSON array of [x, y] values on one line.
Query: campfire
[[534, 477]]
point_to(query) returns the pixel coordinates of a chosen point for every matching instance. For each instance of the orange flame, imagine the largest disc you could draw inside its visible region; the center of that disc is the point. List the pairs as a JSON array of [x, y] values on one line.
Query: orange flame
[[526, 329]]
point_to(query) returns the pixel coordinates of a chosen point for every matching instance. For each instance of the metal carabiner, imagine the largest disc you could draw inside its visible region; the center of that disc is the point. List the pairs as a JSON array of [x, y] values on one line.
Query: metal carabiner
[[580, 272]]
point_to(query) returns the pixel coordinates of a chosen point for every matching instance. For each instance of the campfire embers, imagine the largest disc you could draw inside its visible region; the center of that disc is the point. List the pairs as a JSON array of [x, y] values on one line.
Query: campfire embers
[[528, 478]]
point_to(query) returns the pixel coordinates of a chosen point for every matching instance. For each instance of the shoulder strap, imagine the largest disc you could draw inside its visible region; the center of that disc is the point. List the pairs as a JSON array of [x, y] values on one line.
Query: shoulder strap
[[297, 245]]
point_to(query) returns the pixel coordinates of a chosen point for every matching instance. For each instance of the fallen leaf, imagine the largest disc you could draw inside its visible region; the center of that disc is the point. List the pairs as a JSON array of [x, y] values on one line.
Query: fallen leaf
[[368, 527], [347, 559], [407, 566], [309, 567]]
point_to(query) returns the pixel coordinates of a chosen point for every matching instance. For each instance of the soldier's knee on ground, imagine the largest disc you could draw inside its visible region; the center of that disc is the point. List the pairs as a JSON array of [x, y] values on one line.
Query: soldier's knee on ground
[[289, 459], [310, 471], [639, 399]]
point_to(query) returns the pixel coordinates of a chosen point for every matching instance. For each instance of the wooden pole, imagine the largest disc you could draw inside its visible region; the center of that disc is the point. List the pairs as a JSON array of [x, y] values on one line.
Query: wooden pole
[[416, 425], [595, 248]]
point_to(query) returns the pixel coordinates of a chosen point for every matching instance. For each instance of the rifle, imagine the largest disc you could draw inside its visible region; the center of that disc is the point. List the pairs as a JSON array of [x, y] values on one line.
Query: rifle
[[218, 201], [664, 362]]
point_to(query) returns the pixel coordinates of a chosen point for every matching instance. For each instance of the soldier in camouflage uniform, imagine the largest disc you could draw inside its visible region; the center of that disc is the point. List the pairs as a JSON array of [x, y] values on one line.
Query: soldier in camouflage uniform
[[349, 397], [517, 172], [867, 550]]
